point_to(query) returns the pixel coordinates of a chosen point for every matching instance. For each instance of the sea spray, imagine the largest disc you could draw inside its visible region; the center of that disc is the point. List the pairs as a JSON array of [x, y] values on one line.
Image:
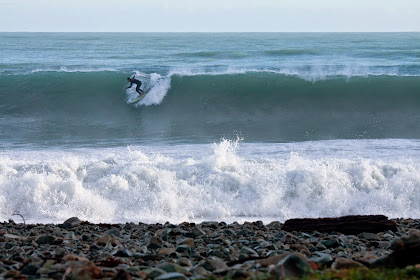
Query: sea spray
[[156, 85], [227, 181]]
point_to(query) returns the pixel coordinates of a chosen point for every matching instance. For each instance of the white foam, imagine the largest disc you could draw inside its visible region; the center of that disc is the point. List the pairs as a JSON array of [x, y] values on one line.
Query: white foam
[[157, 85], [73, 70], [226, 181]]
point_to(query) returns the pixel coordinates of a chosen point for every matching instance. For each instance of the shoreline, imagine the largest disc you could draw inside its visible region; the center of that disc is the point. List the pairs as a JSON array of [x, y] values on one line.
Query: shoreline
[[77, 249]]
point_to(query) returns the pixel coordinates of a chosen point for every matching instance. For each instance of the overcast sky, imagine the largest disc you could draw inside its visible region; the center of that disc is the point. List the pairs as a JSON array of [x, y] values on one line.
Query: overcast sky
[[210, 15]]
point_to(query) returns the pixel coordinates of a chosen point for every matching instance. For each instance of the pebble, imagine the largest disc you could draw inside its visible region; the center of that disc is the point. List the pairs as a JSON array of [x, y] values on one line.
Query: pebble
[[293, 265], [77, 249]]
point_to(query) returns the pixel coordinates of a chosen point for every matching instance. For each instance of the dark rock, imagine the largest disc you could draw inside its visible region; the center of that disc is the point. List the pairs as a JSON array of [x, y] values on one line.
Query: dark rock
[[397, 243], [11, 273], [72, 222], [331, 243], [210, 224], [369, 236], [380, 244], [31, 268], [237, 274], [346, 224], [406, 253], [183, 248], [413, 238], [45, 239], [197, 232]]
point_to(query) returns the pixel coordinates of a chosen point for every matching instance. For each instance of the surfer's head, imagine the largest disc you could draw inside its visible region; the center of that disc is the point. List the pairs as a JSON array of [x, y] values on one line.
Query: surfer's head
[[128, 79]]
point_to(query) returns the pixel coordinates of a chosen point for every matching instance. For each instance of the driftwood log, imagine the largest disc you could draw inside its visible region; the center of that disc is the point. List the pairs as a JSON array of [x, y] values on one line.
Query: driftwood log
[[345, 225]]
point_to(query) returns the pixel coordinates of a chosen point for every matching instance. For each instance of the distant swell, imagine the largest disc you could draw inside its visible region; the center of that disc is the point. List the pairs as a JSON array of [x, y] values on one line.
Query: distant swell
[[258, 106]]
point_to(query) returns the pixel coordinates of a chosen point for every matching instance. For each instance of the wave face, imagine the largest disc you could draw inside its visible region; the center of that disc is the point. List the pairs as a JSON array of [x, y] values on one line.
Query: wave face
[[60, 107], [226, 181]]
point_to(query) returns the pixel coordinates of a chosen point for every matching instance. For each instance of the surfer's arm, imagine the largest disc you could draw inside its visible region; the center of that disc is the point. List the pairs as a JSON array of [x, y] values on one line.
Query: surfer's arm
[[131, 84]]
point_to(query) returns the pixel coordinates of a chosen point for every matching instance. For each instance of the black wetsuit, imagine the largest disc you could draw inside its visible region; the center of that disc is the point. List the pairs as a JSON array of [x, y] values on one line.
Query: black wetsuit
[[138, 83]]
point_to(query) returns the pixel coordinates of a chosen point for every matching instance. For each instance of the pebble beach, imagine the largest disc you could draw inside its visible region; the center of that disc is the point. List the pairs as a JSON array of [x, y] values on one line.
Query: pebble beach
[[78, 249]]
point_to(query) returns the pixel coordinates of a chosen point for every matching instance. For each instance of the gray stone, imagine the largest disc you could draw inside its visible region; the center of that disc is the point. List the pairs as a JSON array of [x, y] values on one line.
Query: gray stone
[[412, 238], [155, 272], [320, 246], [183, 248], [383, 244], [200, 271], [154, 243], [331, 243], [248, 251], [46, 267], [369, 236], [70, 235], [173, 267], [122, 252], [197, 231], [171, 276], [14, 237], [114, 232], [184, 262], [210, 224], [397, 243], [293, 265], [321, 259], [289, 239], [72, 222], [214, 264]]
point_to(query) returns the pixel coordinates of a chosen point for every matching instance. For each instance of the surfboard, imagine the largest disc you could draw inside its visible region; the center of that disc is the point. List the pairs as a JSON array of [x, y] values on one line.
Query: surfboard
[[140, 97]]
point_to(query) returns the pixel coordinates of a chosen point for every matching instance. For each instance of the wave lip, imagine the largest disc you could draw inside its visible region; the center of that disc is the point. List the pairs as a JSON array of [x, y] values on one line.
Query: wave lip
[[74, 69]]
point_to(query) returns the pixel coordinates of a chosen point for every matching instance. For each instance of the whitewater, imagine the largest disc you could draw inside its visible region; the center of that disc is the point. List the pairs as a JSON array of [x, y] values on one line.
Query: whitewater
[[236, 126]]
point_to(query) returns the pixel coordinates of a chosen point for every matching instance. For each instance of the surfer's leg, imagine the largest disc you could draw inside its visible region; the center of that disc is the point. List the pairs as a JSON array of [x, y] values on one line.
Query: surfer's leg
[[139, 90]]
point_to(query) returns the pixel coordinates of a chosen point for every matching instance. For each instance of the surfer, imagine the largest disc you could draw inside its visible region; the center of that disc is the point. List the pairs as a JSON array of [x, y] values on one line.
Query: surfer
[[137, 82]]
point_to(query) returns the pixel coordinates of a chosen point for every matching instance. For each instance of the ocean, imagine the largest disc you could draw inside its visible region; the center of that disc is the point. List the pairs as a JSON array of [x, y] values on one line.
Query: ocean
[[235, 127]]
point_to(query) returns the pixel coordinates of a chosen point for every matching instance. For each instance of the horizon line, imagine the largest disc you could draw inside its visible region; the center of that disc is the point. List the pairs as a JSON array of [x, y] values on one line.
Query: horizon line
[[209, 31]]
